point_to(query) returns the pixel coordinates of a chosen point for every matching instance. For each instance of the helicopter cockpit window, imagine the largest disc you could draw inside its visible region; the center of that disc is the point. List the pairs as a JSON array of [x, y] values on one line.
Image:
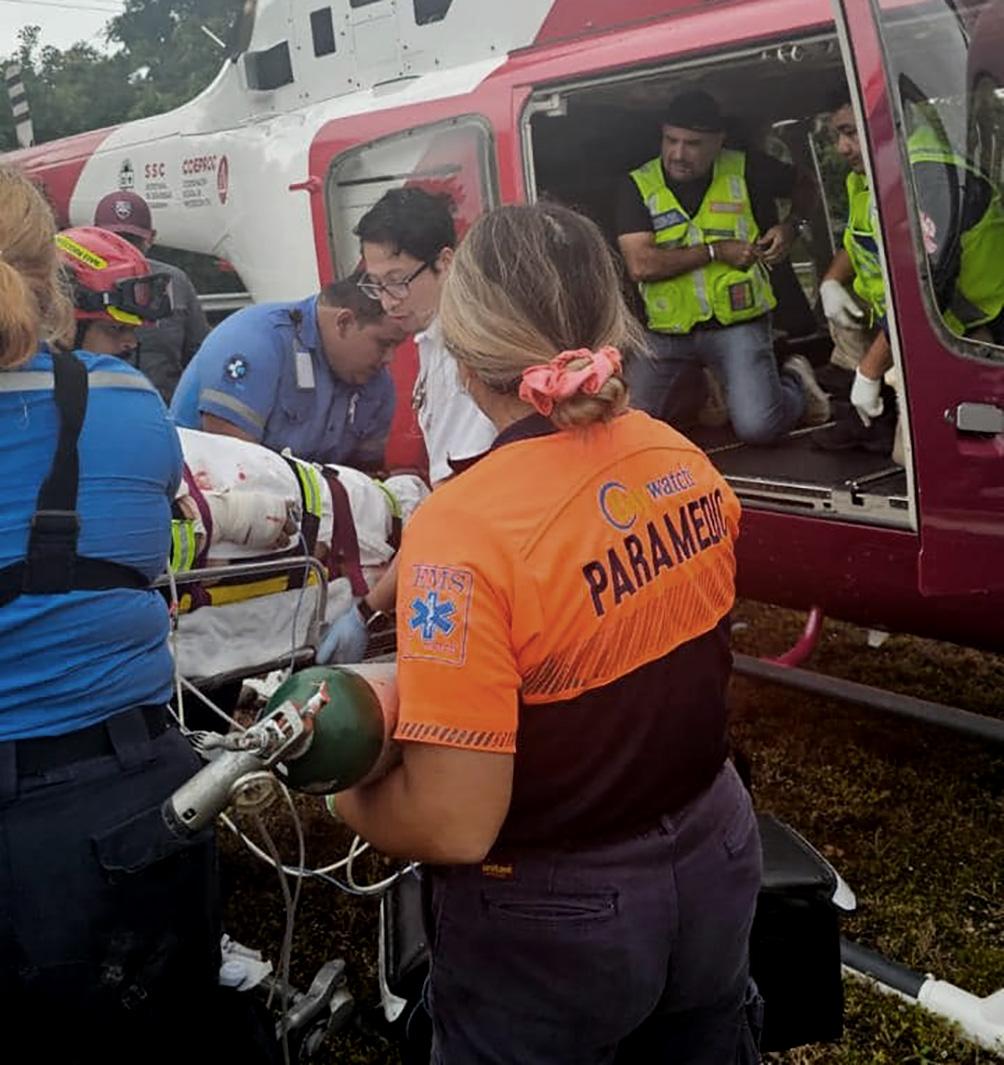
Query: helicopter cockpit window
[[946, 64], [243, 30], [363, 3]]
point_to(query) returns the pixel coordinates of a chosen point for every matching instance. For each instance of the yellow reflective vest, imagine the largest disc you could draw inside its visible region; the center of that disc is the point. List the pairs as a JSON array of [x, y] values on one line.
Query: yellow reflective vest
[[717, 290], [978, 295]]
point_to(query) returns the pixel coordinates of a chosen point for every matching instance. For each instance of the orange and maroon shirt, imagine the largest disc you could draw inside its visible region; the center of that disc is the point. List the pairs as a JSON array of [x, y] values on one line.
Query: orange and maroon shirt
[[565, 600]]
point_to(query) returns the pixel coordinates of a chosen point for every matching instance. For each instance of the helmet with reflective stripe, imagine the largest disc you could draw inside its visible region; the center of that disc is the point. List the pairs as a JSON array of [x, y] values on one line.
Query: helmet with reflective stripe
[[111, 279]]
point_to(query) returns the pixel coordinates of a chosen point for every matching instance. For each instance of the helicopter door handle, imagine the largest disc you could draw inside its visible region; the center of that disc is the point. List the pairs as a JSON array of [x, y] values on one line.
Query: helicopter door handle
[[981, 418]]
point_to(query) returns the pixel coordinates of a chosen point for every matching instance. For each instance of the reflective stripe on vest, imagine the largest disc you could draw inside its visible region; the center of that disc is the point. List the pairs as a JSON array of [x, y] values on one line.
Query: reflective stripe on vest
[[183, 545], [310, 488], [861, 244], [716, 290]]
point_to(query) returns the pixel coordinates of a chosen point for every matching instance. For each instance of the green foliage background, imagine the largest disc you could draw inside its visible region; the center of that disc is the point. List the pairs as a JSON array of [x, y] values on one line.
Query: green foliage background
[[158, 57]]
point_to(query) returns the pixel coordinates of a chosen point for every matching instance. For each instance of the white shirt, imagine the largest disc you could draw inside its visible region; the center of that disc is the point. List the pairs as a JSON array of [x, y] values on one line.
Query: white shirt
[[451, 422]]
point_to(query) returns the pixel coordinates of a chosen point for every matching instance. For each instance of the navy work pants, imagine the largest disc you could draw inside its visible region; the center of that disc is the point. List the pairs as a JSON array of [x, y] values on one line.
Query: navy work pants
[[109, 926], [636, 951]]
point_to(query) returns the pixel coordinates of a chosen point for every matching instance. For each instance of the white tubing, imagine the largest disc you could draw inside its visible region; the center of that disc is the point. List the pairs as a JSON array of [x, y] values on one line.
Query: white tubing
[[982, 1019]]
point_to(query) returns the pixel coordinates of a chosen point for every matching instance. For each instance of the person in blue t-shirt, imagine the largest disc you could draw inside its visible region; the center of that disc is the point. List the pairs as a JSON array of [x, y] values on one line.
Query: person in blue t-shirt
[[310, 376], [108, 922]]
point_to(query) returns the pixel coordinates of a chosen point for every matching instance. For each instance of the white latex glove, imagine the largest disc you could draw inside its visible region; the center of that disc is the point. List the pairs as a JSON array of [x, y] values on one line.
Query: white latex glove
[[866, 397], [839, 305], [346, 640], [254, 519]]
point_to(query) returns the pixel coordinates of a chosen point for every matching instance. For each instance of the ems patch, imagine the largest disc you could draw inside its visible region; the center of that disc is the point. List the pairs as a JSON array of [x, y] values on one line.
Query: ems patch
[[439, 607], [721, 207], [236, 369]]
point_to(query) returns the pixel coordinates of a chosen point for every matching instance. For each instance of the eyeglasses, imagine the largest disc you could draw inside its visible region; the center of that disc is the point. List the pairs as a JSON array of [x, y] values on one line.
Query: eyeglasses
[[397, 290]]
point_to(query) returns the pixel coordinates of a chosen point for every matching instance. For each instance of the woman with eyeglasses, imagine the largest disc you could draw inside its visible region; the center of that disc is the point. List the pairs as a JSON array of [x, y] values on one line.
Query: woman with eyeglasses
[[563, 653]]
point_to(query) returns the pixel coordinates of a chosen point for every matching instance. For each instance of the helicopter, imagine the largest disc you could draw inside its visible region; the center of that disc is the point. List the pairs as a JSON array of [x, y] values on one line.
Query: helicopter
[[317, 111]]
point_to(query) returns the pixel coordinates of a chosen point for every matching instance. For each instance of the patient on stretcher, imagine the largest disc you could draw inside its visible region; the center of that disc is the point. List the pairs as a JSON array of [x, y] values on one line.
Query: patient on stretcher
[[240, 501]]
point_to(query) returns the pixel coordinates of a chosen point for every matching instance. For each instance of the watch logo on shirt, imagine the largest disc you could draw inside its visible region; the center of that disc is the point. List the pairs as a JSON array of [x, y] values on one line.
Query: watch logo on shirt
[[237, 368]]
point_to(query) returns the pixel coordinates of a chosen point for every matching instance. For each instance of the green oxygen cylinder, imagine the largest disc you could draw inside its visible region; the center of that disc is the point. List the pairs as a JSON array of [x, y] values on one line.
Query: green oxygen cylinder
[[352, 741]]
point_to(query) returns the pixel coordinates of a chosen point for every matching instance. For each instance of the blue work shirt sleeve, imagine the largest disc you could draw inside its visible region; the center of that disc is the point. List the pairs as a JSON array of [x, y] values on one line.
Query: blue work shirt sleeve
[[239, 374], [369, 451]]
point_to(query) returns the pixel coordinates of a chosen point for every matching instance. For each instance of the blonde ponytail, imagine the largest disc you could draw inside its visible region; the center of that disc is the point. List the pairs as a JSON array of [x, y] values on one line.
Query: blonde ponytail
[[34, 305], [527, 284], [19, 318]]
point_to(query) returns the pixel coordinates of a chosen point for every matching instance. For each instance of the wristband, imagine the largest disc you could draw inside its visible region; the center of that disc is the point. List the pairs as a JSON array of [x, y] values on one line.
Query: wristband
[[711, 252], [374, 620]]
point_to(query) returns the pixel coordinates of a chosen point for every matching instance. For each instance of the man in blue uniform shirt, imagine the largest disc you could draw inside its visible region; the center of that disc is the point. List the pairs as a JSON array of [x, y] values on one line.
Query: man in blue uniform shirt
[[311, 376]]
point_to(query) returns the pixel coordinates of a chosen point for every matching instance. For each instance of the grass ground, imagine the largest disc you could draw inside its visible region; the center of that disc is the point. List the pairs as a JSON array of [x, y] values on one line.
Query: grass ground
[[912, 816]]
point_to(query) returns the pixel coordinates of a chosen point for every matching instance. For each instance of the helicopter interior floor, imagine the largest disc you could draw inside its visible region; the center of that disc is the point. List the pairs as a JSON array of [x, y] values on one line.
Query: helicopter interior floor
[[795, 475]]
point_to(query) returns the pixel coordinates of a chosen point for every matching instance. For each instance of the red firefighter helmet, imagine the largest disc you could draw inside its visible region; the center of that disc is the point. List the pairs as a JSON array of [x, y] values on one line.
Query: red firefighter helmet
[[111, 278]]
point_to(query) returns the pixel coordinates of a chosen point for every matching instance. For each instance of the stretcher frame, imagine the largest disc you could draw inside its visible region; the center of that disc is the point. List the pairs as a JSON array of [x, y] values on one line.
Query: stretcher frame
[[298, 654]]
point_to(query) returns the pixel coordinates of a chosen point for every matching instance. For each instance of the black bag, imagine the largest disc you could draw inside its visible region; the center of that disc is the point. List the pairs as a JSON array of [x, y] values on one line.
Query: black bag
[[795, 942]]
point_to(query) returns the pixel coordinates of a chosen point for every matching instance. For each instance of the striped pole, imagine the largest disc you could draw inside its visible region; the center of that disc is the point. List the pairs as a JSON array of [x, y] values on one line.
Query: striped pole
[[23, 128]]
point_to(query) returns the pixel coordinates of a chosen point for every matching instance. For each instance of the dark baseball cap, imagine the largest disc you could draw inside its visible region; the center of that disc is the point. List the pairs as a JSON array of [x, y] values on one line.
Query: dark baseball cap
[[695, 110], [124, 212]]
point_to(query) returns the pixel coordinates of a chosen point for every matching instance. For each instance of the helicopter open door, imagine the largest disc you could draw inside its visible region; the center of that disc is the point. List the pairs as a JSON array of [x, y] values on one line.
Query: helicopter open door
[[928, 77]]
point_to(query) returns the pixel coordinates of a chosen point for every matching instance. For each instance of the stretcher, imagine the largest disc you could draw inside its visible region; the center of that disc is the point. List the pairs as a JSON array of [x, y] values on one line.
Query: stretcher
[[268, 549]]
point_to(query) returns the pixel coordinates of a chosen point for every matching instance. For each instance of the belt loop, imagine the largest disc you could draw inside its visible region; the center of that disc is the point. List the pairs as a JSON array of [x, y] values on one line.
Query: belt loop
[[130, 738], [8, 771]]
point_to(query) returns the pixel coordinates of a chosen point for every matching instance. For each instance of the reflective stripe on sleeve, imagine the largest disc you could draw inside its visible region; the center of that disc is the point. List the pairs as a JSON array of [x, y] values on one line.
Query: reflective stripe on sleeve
[[43, 381], [224, 399]]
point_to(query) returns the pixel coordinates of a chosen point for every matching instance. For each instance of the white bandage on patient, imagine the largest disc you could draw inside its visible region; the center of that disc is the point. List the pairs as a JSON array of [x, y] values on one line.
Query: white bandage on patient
[[261, 520], [251, 492]]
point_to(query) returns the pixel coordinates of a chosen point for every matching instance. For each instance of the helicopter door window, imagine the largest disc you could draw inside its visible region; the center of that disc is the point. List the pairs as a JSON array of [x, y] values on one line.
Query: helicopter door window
[[455, 158], [363, 3], [427, 11], [946, 66]]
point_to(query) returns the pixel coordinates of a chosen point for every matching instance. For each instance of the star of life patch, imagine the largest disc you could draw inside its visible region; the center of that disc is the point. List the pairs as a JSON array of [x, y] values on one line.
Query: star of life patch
[[438, 605], [236, 369]]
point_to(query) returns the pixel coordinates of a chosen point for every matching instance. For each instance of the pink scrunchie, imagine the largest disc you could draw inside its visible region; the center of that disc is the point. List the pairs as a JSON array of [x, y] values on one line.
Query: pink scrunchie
[[544, 385]]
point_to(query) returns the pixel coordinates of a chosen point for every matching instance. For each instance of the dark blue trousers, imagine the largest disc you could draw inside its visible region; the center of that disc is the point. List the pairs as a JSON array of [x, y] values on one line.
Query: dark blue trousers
[[109, 926], [635, 952]]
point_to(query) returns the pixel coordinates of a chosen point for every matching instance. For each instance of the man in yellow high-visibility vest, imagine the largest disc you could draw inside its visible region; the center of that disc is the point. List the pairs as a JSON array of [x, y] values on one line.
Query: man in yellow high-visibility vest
[[697, 227], [962, 221]]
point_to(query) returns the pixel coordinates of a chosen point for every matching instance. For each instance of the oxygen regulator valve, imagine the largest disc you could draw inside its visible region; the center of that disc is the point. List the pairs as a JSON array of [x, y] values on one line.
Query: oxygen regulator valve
[[325, 729], [240, 772]]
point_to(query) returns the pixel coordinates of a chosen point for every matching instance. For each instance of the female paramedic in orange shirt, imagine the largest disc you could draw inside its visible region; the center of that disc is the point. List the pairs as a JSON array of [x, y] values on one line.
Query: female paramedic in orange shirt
[[563, 655]]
